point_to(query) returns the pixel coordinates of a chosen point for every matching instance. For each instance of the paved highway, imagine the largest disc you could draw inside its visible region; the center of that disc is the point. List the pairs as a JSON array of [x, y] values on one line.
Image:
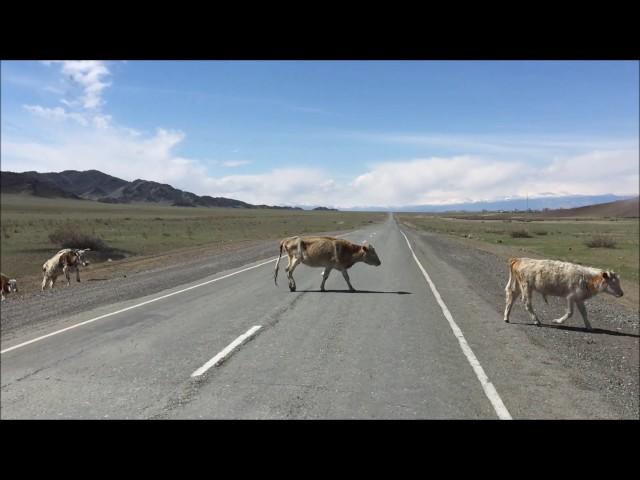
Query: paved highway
[[235, 346]]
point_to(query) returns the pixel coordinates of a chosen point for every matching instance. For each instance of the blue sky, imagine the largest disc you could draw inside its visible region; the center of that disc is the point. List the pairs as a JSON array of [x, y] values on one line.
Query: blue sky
[[337, 133]]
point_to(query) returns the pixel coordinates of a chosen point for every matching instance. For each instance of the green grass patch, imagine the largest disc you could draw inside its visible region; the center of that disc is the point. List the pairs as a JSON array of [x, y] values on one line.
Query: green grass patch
[[566, 239]]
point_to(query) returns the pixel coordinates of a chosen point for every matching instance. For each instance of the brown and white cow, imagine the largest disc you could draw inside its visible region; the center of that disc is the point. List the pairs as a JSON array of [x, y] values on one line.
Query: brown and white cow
[[7, 285], [65, 261], [327, 252], [576, 283]]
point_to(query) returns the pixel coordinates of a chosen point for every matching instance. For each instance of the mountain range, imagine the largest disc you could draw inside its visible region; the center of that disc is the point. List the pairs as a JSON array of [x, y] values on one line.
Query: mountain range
[[508, 204], [98, 186]]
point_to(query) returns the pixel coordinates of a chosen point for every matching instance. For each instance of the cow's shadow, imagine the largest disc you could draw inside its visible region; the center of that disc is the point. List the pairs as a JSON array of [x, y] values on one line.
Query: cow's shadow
[[595, 331], [348, 291]]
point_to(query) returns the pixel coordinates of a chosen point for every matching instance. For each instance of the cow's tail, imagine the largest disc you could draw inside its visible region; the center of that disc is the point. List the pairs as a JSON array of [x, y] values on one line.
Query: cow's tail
[[275, 274], [512, 284]]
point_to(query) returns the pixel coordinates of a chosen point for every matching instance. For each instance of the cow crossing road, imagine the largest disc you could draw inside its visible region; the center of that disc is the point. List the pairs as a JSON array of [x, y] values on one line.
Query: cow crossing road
[[385, 351]]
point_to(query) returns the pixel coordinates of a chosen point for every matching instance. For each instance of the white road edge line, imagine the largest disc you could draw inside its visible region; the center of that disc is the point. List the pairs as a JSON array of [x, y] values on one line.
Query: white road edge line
[[487, 386], [227, 350], [138, 305]]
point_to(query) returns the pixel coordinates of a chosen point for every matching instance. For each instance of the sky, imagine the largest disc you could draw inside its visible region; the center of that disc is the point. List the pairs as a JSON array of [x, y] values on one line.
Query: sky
[[335, 133]]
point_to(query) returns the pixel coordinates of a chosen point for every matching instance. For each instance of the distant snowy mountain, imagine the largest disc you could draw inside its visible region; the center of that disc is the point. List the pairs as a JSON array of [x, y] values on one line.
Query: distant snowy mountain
[[510, 204]]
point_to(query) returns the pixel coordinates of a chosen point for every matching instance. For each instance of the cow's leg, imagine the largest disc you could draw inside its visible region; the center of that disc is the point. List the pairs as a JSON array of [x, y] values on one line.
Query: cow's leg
[[52, 281], [325, 275], [569, 311], [583, 312], [77, 274], [512, 294], [291, 268], [346, 277], [65, 269], [44, 281], [526, 299]]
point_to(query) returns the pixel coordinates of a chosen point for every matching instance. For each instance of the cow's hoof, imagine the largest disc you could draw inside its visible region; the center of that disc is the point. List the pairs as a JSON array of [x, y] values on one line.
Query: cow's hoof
[[506, 320], [537, 324], [293, 289]]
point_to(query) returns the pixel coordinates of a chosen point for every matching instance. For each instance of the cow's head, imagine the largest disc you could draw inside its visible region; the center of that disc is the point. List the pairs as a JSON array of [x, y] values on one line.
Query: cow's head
[[370, 255], [81, 256], [612, 281], [13, 285]]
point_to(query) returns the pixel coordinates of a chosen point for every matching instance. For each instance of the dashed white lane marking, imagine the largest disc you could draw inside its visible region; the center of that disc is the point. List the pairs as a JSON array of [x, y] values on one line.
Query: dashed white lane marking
[[138, 305], [227, 350], [487, 386]]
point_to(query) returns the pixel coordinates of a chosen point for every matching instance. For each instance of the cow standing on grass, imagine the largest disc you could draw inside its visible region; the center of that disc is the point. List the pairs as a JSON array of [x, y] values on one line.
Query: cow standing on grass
[[561, 279], [65, 261], [7, 285], [327, 252]]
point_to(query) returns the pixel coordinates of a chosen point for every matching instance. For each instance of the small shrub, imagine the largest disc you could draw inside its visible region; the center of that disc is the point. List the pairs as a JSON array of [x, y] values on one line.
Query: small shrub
[[65, 237], [541, 232], [520, 234], [600, 241]]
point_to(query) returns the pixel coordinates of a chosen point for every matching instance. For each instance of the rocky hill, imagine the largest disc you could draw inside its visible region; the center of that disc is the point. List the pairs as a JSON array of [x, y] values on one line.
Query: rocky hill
[[629, 208], [96, 185]]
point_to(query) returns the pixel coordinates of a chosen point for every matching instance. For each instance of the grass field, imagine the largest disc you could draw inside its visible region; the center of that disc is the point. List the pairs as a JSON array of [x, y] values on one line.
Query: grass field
[[146, 229], [561, 239]]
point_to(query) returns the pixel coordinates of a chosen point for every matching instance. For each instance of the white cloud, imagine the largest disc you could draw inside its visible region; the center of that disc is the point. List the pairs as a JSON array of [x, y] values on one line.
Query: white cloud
[[438, 180], [615, 171], [235, 163], [85, 109], [284, 186], [433, 180], [57, 113], [89, 75], [114, 151], [507, 145]]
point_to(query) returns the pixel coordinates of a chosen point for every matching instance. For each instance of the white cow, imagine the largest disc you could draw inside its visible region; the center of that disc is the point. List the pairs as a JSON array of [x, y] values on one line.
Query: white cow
[[561, 279], [65, 261]]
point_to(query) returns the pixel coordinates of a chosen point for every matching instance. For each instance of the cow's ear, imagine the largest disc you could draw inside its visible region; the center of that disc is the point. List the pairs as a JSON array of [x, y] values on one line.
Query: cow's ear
[[365, 248], [605, 275]]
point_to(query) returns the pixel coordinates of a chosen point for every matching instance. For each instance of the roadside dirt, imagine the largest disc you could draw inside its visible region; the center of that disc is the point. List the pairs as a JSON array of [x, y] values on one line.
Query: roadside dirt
[[606, 359]]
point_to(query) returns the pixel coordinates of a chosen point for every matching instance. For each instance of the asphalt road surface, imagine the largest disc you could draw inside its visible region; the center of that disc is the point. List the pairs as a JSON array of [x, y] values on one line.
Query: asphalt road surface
[[392, 350]]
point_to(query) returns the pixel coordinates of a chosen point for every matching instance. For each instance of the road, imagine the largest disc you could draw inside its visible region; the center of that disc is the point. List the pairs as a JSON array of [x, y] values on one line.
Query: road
[[392, 350]]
